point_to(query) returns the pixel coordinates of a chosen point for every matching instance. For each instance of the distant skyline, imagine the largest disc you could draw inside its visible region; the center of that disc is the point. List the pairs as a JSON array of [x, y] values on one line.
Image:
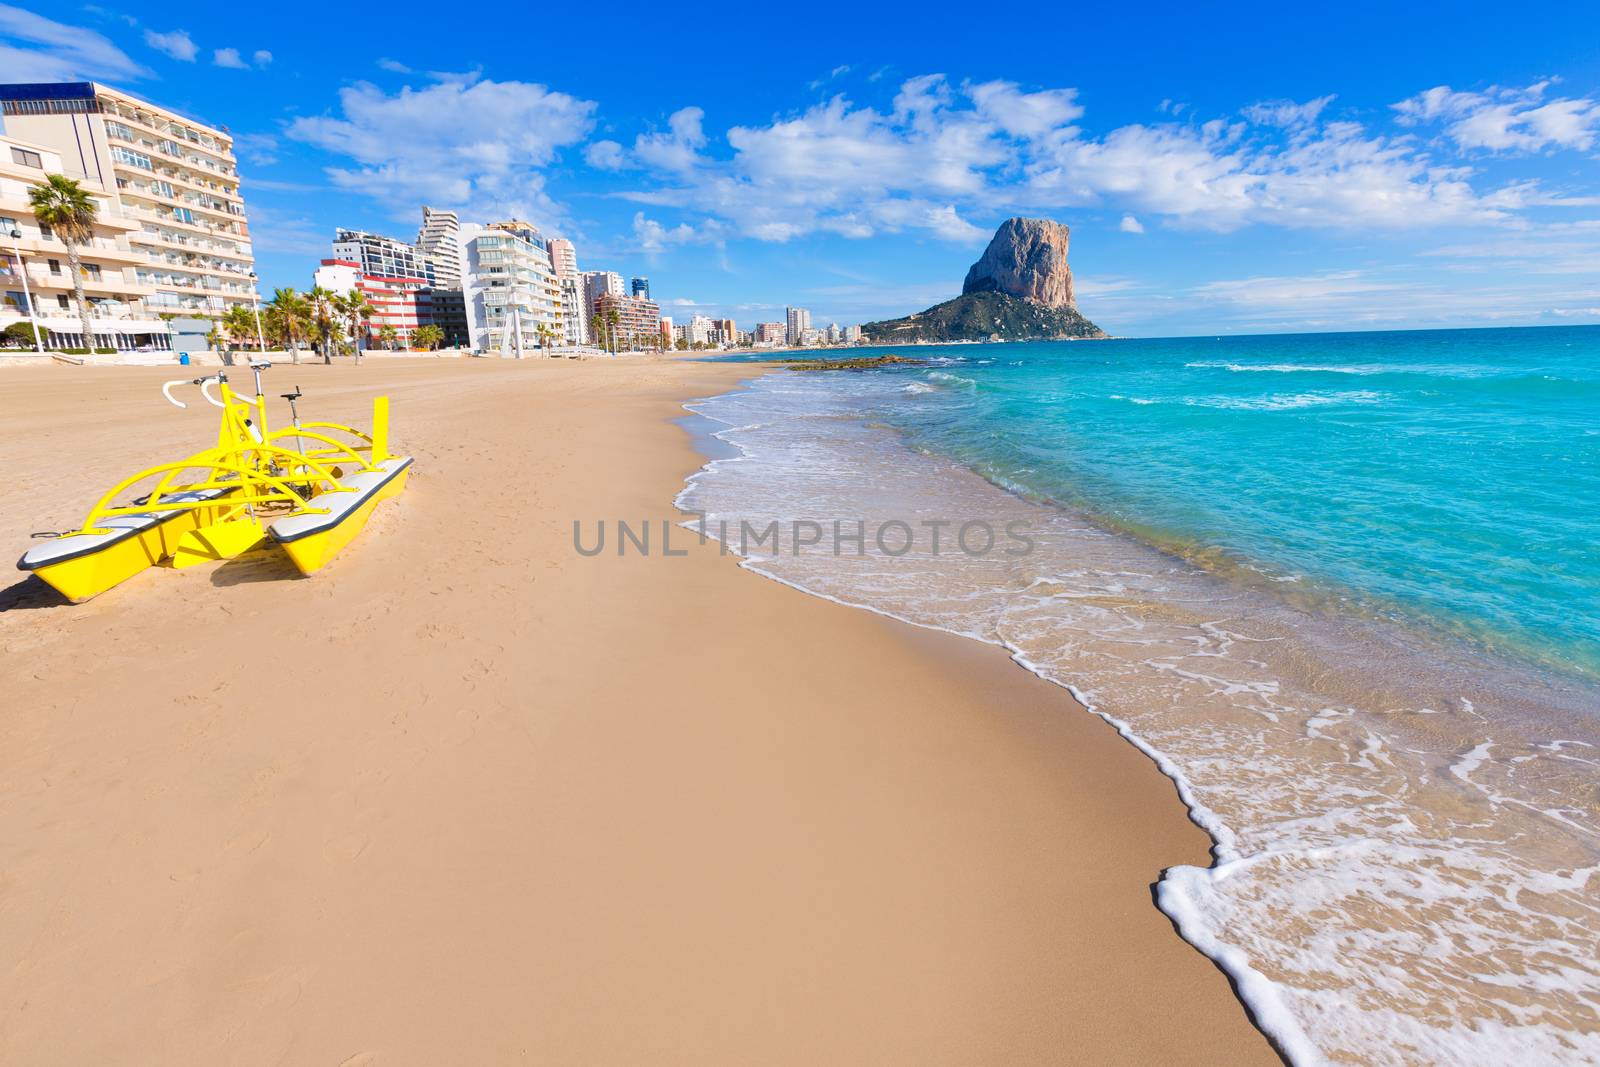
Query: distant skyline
[[1257, 171]]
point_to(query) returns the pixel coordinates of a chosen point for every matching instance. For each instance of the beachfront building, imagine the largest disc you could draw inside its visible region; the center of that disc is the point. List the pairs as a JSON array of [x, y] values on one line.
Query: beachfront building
[[116, 297], [729, 333], [439, 244], [798, 322], [400, 302], [852, 335], [385, 257], [640, 287], [563, 257], [598, 283], [173, 178], [771, 333], [575, 308], [629, 321], [512, 297], [574, 311]]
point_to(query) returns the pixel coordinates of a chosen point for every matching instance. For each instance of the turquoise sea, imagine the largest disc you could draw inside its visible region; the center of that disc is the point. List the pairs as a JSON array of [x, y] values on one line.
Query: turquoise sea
[[1344, 589], [1450, 477]]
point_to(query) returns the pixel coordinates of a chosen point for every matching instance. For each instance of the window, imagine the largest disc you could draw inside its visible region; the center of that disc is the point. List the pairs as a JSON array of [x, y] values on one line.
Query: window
[[26, 158], [92, 270], [132, 159], [55, 266], [45, 231], [61, 300]]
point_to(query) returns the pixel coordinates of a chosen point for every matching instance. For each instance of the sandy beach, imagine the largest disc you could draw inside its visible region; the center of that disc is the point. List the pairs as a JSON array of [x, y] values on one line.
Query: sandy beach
[[469, 797]]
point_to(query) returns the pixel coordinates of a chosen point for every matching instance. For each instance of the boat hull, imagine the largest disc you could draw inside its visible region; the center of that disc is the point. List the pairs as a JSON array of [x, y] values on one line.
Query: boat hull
[[311, 551], [82, 577]]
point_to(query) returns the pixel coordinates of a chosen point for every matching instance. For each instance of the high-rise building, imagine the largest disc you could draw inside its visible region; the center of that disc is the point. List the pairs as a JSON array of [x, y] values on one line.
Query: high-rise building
[[574, 310], [598, 283], [641, 288], [771, 333], [379, 256], [852, 335], [700, 330], [438, 247], [399, 302], [439, 243], [513, 299], [563, 257], [171, 176], [637, 322], [799, 321], [730, 332], [116, 298]]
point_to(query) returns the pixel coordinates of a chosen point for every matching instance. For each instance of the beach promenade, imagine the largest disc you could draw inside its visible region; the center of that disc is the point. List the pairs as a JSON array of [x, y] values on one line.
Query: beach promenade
[[468, 796]]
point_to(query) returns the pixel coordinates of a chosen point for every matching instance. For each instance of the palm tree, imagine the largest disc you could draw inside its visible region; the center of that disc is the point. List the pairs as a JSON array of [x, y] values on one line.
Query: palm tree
[[240, 324], [388, 336], [289, 315], [612, 317], [595, 330], [356, 310], [70, 212], [321, 312], [428, 337]]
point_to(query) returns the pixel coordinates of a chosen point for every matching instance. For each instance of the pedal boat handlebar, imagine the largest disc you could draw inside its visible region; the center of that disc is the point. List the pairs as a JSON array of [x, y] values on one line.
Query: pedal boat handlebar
[[205, 389]]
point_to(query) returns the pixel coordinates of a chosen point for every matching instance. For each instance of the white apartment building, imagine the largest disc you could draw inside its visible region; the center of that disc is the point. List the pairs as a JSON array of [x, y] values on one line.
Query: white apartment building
[[564, 257], [378, 255], [439, 242], [116, 296], [513, 299], [174, 178], [574, 310], [799, 321]]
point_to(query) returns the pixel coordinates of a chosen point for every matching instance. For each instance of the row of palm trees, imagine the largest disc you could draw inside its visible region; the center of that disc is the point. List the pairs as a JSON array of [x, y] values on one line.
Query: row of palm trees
[[329, 322]]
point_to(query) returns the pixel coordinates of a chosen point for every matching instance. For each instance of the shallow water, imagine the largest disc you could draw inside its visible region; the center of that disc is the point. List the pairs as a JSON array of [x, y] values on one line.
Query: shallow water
[[1360, 640]]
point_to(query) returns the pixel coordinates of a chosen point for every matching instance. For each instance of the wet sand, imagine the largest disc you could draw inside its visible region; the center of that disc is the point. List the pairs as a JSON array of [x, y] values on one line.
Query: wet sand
[[468, 796]]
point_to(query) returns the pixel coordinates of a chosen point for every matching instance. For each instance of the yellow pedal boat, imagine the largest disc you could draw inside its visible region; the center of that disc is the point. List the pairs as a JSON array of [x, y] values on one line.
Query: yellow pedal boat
[[310, 487]]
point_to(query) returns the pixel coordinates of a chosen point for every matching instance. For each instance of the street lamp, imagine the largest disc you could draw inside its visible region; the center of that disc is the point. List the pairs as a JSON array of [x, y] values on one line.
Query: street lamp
[[255, 304], [27, 294]]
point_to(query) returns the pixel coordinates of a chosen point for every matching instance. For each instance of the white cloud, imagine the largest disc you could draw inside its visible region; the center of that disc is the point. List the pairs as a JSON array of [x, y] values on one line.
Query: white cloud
[[230, 58], [176, 44], [1505, 119], [1130, 224], [1223, 176], [470, 144], [677, 149], [943, 153], [261, 57], [260, 149], [1376, 298], [35, 49], [838, 168], [652, 236], [1029, 115], [1287, 113], [393, 66], [606, 155]]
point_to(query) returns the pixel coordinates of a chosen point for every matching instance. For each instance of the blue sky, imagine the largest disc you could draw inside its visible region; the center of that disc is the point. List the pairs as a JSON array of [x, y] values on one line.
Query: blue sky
[[1263, 170]]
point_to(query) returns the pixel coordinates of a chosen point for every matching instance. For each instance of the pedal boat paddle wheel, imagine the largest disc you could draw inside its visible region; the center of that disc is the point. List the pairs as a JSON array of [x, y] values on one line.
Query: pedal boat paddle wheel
[[309, 487]]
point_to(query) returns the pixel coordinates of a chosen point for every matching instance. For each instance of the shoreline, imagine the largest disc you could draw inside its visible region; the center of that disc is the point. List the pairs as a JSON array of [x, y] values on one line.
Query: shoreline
[[598, 810], [1233, 731]]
